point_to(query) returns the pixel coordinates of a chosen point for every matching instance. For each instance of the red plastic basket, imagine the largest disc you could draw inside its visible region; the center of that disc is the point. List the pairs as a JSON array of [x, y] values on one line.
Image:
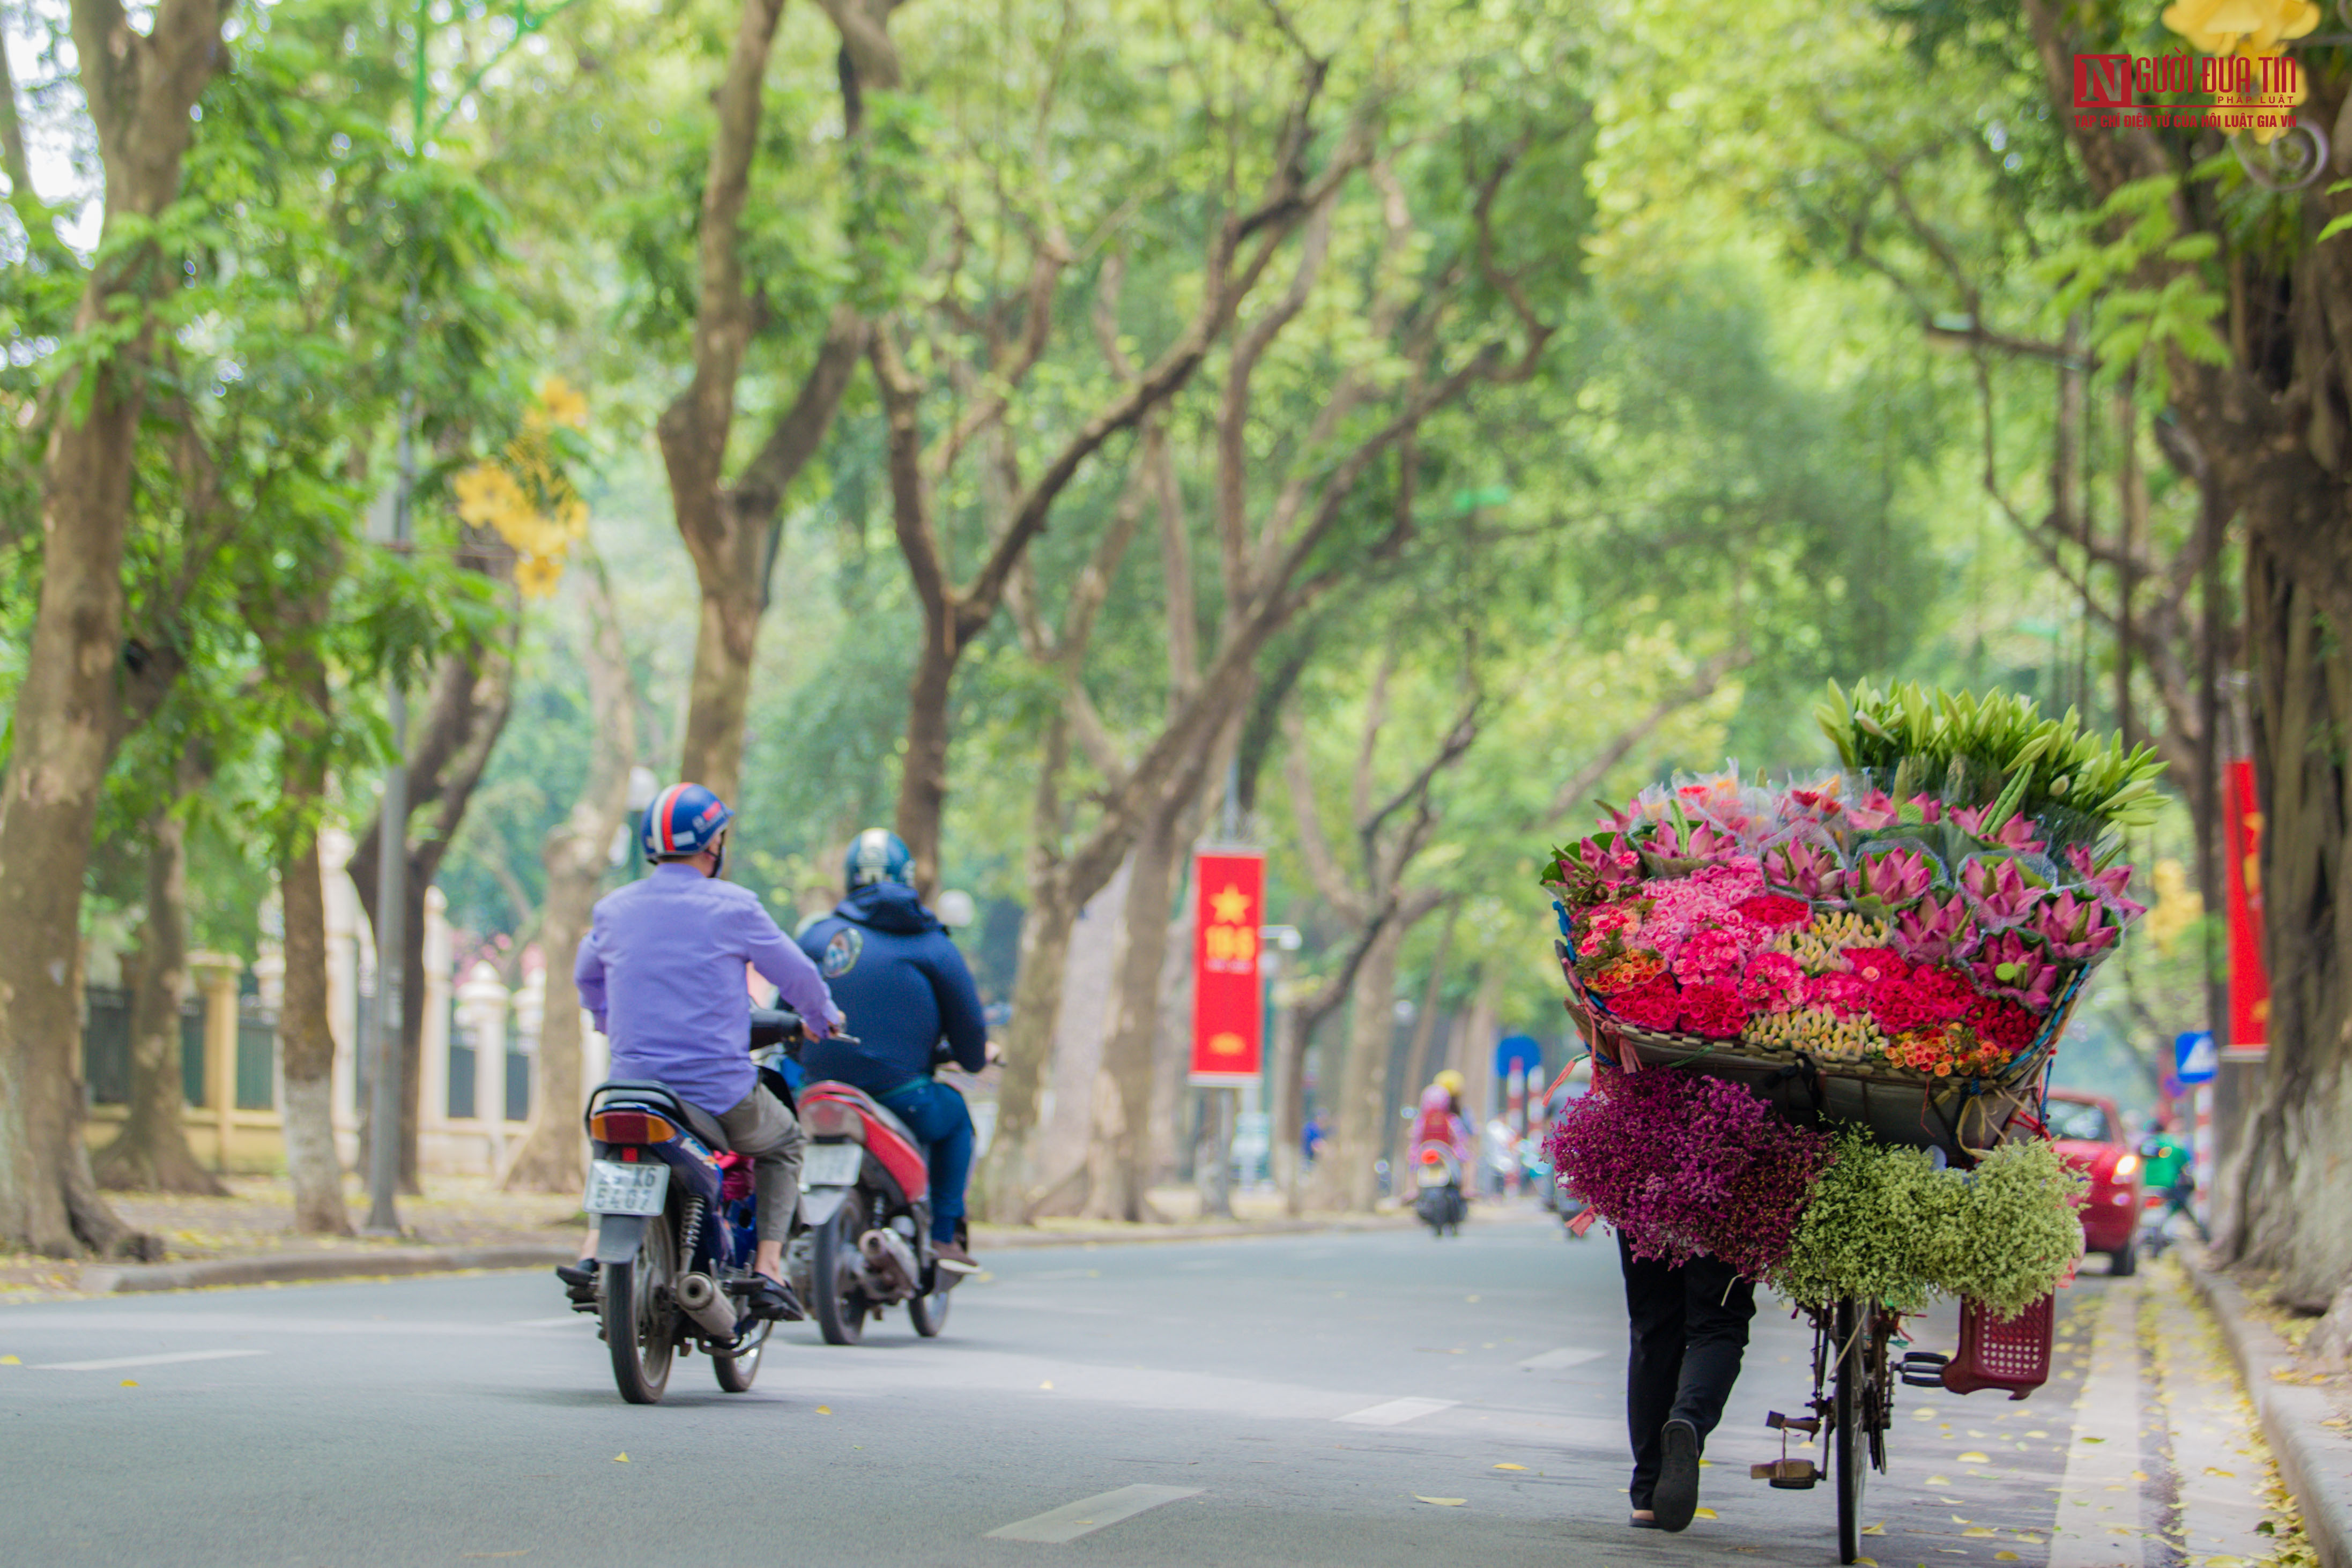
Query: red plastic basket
[[2014, 1355]]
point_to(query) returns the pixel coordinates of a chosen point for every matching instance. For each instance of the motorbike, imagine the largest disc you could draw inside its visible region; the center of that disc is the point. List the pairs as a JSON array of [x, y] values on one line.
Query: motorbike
[[864, 1244], [1438, 1174], [676, 1226]]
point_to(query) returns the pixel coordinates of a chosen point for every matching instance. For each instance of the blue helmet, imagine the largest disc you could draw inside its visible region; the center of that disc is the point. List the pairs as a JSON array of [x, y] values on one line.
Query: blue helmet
[[684, 820], [877, 854]]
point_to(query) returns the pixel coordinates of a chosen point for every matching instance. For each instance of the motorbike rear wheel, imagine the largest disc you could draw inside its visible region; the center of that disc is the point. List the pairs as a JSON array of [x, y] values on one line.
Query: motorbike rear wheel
[[640, 1322], [840, 1306], [736, 1372], [929, 1314]]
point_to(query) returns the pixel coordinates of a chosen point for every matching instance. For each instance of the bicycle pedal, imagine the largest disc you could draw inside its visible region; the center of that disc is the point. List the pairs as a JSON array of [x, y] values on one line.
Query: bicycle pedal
[[1923, 1368], [1788, 1474], [1779, 1423]]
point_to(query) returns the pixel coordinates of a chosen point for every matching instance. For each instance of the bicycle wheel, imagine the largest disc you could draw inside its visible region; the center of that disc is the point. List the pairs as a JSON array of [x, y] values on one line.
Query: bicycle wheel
[[1850, 1410]]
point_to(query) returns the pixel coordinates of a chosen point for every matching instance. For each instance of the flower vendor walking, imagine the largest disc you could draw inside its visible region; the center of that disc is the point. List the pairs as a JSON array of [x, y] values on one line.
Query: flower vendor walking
[[1689, 1327]]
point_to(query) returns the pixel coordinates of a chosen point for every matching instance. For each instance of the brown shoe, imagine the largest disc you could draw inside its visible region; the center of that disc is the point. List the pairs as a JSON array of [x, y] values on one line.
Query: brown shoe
[[954, 1258]]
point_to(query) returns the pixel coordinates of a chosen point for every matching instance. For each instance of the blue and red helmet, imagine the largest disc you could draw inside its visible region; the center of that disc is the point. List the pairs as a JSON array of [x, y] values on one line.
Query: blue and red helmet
[[684, 820], [877, 854]]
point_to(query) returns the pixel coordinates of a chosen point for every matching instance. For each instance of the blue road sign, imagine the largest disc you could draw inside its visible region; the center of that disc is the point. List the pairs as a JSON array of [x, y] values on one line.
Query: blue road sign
[[1523, 1049], [2195, 1058]]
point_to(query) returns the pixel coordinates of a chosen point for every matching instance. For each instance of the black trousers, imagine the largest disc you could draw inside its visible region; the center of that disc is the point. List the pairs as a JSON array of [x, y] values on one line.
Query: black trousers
[[1690, 1328]]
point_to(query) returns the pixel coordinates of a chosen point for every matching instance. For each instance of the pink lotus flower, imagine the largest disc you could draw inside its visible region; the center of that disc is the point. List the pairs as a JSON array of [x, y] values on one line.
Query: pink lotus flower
[[1998, 889], [2017, 833], [2010, 967], [1891, 879], [2072, 928], [1806, 870], [1932, 930], [1876, 809], [1706, 843], [2113, 884]]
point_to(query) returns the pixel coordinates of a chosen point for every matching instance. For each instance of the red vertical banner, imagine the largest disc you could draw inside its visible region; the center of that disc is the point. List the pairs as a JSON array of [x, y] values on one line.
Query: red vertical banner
[[2242, 842], [1228, 1032]]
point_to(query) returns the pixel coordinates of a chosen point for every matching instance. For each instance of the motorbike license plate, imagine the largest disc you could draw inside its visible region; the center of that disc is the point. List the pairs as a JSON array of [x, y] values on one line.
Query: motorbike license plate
[[831, 1165], [615, 1187], [1435, 1177]]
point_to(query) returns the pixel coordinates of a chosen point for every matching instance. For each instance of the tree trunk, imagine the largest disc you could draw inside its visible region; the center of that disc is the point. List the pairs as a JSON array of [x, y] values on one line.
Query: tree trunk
[[306, 1047], [1119, 1140], [1349, 1175], [68, 718], [471, 703], [1001, 1191], [151, 1153], [2295, 1186], [553, 1157], [923, 767]]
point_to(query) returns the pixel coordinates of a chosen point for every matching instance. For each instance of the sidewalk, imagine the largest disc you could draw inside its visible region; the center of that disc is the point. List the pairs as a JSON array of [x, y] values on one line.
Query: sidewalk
[[2306, 1415], [462, 1222]]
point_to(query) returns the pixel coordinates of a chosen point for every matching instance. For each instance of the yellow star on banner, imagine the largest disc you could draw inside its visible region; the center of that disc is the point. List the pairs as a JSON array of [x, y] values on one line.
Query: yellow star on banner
[[1232, 906]]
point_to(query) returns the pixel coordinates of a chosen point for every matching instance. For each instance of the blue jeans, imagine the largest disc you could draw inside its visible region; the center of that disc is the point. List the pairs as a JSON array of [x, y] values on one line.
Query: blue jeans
[[938, 1115]]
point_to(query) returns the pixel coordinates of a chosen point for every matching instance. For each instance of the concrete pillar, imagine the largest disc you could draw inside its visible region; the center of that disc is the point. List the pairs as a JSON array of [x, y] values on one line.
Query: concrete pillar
[[344, 920], [216, 975], [482, 1003], [433, 1035], [530, 1014]]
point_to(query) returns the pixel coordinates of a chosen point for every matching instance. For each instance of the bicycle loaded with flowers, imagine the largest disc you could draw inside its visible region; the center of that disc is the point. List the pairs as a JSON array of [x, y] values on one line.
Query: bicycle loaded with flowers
[[1822, 1018]]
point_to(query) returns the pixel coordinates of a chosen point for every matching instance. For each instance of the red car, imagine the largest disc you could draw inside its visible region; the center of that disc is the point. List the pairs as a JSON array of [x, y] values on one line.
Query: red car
[[2090, 1135]]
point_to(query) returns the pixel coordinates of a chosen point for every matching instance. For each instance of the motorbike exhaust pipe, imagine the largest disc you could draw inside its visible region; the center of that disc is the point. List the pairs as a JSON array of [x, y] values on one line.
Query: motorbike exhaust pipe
[[708, 1305], [889, 1256]]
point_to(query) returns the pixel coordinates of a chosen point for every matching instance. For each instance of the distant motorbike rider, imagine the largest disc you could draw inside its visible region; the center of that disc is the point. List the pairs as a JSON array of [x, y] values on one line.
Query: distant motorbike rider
[[662, 970], [891, 961], [1441, 1119]]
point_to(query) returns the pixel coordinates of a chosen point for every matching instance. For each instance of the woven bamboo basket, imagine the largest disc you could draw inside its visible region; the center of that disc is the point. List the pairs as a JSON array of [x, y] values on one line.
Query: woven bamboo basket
[[1900, 1106]]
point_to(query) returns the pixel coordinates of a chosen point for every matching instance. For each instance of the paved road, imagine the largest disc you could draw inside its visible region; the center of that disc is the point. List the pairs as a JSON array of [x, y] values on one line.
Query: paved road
[[1285, 1400]]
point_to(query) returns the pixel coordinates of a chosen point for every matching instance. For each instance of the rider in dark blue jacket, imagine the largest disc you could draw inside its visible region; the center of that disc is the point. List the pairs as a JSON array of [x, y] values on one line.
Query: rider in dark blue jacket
[[893, 968]]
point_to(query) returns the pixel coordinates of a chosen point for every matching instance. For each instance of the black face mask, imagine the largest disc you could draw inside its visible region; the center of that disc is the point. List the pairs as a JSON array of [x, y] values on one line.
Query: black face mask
[[718, 859]]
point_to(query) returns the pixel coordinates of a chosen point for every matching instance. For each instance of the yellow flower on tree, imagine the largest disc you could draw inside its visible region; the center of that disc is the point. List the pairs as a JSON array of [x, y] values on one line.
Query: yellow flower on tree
[[2224, 26], [525, 497]]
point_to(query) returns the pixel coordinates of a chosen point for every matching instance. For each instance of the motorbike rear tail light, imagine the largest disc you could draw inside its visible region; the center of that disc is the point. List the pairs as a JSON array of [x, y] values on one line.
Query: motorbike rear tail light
[[831, 1119], [630, 1127]]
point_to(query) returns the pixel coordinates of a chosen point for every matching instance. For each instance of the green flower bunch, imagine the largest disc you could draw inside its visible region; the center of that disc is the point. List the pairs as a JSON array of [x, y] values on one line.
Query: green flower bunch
[[1886, 1225], [1996, 751], [1867, 1230], [2011, 1229]]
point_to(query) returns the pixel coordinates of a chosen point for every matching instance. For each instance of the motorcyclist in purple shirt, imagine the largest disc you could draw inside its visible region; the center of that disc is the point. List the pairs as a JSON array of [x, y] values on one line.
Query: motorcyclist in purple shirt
[[662, 971]]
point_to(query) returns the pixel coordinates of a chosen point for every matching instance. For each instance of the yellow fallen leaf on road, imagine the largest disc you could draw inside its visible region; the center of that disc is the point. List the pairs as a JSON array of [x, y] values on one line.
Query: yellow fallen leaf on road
[[129, 1383], [620, 1458], [1957, 1519], [1510, 1466], [2230, 1474], [1047, 1384], [824, 1409], [1873, 1529], [10, 1361], [1977, 1530], [1703, 1513], [2095, 1439], [2006, 1557], [1441, 1501], [1938, 1481], [1976, 1458]]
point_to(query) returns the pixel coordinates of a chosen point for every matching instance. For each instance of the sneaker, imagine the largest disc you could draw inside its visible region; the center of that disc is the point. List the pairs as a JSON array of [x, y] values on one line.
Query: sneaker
[[952, 1256], [1676, 1500], [578, 1283]]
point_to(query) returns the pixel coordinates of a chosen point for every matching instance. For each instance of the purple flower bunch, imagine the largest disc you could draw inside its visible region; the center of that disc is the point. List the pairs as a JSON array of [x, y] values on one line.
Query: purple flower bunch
[[1684, 1163]]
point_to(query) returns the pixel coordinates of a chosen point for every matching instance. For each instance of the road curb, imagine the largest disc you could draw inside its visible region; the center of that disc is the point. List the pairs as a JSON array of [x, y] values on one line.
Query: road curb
[[2314, 1459], [287, 1268]]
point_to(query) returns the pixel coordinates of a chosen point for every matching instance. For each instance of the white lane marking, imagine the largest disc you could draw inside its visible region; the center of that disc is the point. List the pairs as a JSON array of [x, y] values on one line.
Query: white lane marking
[[2098, 1523], [113, 1362], [1566, 1356], [545, 1323], [1089, 1514], [1396, 1412]]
